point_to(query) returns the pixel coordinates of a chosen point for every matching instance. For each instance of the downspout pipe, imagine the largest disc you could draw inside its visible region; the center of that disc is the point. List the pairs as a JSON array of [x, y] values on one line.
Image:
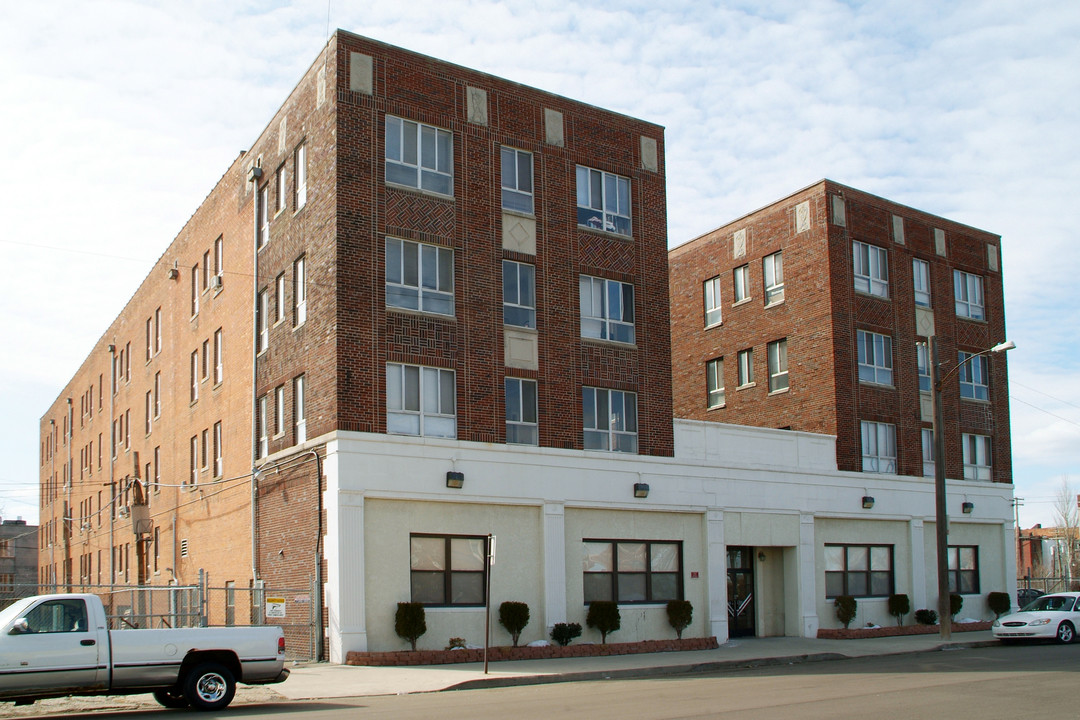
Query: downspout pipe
[[254, 176]]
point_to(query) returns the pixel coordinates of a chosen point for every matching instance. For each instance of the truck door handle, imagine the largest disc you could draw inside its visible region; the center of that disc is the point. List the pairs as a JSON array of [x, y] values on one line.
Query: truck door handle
[[87, 642]]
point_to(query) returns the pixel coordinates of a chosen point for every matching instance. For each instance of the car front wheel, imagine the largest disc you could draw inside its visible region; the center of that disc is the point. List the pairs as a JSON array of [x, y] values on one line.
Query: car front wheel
[[1066, 633], [209, 686]]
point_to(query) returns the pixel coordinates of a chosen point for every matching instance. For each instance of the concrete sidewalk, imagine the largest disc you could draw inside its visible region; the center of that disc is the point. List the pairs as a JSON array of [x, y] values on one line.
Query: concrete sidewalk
[[320, 680]]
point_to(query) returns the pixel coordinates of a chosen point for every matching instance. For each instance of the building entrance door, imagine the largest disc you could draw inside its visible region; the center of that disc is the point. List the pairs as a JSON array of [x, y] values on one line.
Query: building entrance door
[[740, 591]]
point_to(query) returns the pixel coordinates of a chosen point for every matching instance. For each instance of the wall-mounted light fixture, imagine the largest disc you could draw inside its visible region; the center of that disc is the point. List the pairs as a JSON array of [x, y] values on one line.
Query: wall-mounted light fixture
[[455, 479], [867, 502], [967, 507], [761, 556], [641, 490]]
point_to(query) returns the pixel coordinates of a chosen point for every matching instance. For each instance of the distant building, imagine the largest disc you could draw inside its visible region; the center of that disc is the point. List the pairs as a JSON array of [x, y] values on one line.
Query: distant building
[[18, 555]]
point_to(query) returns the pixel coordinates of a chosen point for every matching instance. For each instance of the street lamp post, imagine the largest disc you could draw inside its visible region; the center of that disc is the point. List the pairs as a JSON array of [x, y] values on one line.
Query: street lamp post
[[941, 508]]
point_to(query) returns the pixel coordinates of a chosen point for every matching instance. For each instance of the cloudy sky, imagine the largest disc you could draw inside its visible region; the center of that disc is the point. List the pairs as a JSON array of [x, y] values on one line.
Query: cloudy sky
[[119, 116]]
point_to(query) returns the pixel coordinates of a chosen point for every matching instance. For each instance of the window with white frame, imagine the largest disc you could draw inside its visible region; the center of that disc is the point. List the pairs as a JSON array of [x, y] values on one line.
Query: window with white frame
[[447, 569], [778, 366], [419, 276], [927, 435], [205, 360], [871, 265], [519, 294], [974, 376], [219, 468], [741, 280], [262, 320], [878, 447], [279, 190], [977, 457], [420, 401], [920, 273], [279, 410], [219, 356], [714, 383], [219, 256], [195, 291], [300, 175], [922, 354], [609, 418], [264, 215], [607, 309], [875, 358], [968, 292], [193, 476], [299, 410], [264, 427], [603, 201], [194, 376], [419, 156], [299, 291], [157, 394], [746, 367], [157, 332], [773, 274], [521, 422], [279, 298], [711, 294], [632, 571], [205, 449], [517, 180]]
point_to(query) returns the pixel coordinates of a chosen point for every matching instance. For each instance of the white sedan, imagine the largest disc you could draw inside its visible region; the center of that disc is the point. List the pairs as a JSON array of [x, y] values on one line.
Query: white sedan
[[1048, 617]]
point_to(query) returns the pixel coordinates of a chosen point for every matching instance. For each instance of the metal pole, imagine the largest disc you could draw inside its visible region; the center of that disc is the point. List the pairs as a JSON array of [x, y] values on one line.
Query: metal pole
[[941, 514], [487, 601]]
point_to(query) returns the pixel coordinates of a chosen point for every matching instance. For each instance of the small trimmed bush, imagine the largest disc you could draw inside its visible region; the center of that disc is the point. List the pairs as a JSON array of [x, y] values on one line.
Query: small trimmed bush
[[899, 606], [514, 616], [999, 603], [680, 613], [564, 633], [925, 616], [456, 643], [603, 616], [955, 603], [410, 622], [846, 609]]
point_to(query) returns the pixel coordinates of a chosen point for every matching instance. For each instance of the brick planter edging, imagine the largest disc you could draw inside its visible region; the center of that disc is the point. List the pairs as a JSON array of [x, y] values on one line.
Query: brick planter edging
[[894, 631], [496, 654]]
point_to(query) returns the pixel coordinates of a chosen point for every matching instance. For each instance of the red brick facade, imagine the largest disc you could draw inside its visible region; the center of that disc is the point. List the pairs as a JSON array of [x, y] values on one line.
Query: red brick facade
[[820, 315]]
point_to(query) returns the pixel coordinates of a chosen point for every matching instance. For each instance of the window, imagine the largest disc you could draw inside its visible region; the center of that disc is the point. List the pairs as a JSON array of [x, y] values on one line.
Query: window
[[968, 291], [922, 353], [205, 360], [279, 190], [746, 367], [871, 269], [603, 201], [194, 376], [521, 425], [264, 427], [279, 410], [419, 276], [219, 357], [205, 449], [420, 401], [157, 476], [299, 291], [279, 298], [778, 369], [519, 294], [928, 452], [299, 412], [714, 382], [419, 156], [875, 358], [218, 467], [157, 335], [858, 570], [878, 447], [149, 340], [58, 616], [711, 293], [193, 476], [262, 320], [773, 273], [607, 309], [149, 409], [977, 457], [517, 185], [973, 376], [632, 571], [219, 257], [300, 174], [610, 420], [206, 271], [194, 291], [447, 570], [741, 276], [920, 272], [964, 569], [264, 216]]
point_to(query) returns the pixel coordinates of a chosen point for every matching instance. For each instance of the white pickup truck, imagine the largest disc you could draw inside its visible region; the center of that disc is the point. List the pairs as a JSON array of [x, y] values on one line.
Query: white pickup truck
[[59, 645]]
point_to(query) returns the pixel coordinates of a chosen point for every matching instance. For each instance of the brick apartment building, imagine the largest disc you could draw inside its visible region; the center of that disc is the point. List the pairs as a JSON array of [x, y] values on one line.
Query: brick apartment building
[[18, 555], [428, 308], [814, 314]]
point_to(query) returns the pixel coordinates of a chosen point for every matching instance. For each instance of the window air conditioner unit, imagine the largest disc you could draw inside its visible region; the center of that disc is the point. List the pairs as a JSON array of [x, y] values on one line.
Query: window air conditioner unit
[[215, 282], [124, 511]]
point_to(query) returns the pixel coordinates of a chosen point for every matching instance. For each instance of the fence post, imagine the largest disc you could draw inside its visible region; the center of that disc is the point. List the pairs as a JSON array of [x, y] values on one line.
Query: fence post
[[202, 598]]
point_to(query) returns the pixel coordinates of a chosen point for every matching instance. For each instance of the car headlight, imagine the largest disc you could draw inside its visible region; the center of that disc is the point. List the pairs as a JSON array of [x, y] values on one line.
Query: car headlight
[[1040, 621], [997, 623]]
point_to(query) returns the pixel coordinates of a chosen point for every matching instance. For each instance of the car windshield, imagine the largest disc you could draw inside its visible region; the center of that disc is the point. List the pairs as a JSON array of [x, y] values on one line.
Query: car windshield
[[1051, 603], [14, 611]]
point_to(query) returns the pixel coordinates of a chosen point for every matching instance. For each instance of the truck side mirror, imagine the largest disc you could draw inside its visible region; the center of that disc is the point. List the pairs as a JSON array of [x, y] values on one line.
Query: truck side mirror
[[19, 627]]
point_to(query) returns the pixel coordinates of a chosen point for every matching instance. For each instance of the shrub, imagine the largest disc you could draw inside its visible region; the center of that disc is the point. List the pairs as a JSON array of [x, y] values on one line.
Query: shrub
[[603, 616], [680, 613], [955, 603], [899, 606], [999, 603], [409, 622], [926, 617], [456, 644], [514, 616], [846, 609], [563, 633]]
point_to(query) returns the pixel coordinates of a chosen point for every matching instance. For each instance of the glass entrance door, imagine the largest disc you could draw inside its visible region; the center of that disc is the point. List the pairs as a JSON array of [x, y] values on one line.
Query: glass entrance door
[[740, 591]]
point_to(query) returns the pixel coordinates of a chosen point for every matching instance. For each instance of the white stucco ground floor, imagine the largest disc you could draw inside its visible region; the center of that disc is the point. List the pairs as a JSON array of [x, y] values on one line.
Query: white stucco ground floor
[[755, 527]]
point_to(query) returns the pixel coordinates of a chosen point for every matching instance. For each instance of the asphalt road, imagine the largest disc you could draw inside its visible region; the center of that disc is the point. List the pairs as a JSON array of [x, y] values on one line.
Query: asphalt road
[[986, 683]]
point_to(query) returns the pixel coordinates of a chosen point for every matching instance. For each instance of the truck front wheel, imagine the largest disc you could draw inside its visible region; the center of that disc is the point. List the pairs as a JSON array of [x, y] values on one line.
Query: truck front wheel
[[209, 686], [171, 698]]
